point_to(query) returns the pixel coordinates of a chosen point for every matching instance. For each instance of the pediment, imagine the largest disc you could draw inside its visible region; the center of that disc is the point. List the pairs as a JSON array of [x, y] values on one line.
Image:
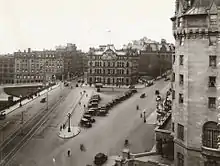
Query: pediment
[[109, 55]]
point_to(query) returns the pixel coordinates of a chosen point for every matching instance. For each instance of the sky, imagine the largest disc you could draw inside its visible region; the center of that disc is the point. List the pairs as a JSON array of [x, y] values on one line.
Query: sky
[[44, 24]]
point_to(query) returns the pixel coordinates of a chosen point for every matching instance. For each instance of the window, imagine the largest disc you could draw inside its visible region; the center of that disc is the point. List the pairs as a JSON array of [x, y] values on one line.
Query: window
[[181, 59], [180, 159], [173, 77], [213, 20], [180, 132], [181, 41], [174, 58], [212, 102], [173, 94], [181, 79], [210, 134], [180, 98], [212, 61], [173, 126], [212, 81]]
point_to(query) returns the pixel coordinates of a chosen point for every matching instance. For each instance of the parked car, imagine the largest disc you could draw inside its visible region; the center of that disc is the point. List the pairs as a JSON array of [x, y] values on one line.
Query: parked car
[[100, 159], [167, 79], [89, 117], [92, 112], [2, 115], [102, 112], [143, 95], [43, 100], [85, 123], [131, 87]]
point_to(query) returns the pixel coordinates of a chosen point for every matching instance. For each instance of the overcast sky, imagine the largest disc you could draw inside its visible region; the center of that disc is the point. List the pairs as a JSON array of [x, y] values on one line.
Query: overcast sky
[[47, 23]]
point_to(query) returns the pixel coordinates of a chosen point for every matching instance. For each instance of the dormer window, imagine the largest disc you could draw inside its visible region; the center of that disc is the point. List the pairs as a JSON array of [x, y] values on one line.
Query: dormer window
[[213, 20]]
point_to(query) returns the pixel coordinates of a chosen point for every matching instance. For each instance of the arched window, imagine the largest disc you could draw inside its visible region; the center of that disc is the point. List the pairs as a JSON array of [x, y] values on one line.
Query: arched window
[[210, 134]]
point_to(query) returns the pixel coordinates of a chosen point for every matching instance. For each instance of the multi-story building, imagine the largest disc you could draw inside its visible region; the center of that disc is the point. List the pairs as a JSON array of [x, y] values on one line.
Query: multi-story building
[[6, 69], [37, 66], [155, 57], [73, 60], [196, 29], [107, 65]]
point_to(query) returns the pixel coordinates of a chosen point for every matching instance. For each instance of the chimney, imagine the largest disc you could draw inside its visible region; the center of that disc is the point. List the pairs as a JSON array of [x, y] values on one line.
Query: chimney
[[29, 50]]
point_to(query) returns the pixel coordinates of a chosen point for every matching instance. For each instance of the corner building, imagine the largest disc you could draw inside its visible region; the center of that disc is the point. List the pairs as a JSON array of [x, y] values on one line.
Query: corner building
[[109, 66], [196, 82]]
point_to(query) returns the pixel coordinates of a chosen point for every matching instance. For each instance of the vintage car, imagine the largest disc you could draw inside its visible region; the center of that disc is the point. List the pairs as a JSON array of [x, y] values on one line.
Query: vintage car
[[143, 95], [102, 112], [85, 123], [43, 100], [89, 117], [100, 159], [2, 115]]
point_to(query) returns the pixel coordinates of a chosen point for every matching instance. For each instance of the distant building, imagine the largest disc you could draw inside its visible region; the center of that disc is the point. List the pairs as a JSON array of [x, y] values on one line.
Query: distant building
[[7, 69], [73, 60], [109, 66], [155, 57], [37, 66]]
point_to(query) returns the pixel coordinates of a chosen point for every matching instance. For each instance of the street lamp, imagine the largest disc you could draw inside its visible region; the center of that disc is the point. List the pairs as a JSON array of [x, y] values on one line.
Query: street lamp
[[69, 116]]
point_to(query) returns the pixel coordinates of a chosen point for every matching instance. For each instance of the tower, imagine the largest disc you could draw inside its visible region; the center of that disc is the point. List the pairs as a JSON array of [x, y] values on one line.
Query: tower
[[196, 82]]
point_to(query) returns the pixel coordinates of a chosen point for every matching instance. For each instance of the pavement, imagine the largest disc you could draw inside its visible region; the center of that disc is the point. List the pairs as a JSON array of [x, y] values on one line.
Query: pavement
[[107, 134], [66, 133]]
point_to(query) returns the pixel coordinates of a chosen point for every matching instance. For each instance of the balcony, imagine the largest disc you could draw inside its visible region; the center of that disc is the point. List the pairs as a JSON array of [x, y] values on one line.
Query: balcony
[[210, 153]]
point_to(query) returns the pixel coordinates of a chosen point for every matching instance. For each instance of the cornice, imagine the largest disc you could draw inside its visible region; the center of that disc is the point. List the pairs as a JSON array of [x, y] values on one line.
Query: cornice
[[193, 32]]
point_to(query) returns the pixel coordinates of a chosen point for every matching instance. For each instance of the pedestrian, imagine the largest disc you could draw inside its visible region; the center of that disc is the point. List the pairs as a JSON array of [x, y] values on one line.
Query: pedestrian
[[141, 115], [84, 106], [79, 103], [86, 95], [64, 126], [61, 127], [68, 153]]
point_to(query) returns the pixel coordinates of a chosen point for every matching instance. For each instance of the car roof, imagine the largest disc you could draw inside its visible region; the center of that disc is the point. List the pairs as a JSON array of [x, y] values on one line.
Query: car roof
[[84, 119]]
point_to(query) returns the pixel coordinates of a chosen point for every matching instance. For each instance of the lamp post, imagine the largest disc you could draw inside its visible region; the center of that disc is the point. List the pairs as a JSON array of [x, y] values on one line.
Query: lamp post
[[69, 116]]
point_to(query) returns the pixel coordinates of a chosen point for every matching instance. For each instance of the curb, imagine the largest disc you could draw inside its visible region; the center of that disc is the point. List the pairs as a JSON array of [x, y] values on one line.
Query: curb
[[70, 136]]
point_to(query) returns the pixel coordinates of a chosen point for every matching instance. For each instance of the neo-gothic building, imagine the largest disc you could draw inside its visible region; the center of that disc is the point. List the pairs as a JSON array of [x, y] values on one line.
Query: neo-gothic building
[[196, 80], [109, 66]]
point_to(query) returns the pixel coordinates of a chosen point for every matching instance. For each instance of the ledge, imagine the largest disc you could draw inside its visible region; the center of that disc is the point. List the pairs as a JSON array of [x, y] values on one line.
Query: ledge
[[210, 152]]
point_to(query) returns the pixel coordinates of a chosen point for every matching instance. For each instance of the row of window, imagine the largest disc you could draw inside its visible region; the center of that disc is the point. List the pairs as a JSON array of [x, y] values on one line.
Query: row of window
[[100, 57], [108, 64], [212, 60], [24, 77], [109, 71], [37, 71]]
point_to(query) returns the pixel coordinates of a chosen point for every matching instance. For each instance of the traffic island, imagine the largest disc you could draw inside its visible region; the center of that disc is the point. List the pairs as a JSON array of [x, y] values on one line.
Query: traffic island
[[66, 133]]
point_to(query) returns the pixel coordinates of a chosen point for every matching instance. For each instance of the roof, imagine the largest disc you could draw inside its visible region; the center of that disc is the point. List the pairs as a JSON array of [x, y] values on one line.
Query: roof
[[201, 6]]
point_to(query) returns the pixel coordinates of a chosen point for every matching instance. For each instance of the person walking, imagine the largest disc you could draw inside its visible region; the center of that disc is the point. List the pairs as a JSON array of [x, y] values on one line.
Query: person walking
[[68, 152]]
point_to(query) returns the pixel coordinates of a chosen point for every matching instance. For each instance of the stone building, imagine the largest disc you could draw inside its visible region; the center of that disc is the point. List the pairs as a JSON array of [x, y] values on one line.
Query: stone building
[[73, 60], [37, 66], [155, 57], [196, 28], [6, 69], [109, 66]]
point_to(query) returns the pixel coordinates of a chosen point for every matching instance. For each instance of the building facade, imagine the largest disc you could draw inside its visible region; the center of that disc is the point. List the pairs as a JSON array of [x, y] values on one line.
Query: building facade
[[37, 66], [7, 69], [73, 60], [196, 28], [109, 66], [155, 57]]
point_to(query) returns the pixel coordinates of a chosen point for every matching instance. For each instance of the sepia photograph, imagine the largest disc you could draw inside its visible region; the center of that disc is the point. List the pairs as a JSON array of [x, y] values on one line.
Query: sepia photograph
[[109, 83]]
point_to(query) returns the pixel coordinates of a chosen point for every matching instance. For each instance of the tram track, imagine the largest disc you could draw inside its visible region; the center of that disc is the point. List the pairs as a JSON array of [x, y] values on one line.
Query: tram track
[[10, 146]]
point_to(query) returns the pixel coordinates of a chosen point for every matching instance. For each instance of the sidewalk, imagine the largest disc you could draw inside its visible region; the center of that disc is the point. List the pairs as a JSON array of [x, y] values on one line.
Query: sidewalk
[[24, 102]]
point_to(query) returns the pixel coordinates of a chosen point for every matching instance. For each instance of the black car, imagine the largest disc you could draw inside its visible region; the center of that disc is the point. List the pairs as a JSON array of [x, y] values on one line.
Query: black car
[[102, 112], [85, 123], [100, 159], [143, 95], [43, 100], [89, 117]]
